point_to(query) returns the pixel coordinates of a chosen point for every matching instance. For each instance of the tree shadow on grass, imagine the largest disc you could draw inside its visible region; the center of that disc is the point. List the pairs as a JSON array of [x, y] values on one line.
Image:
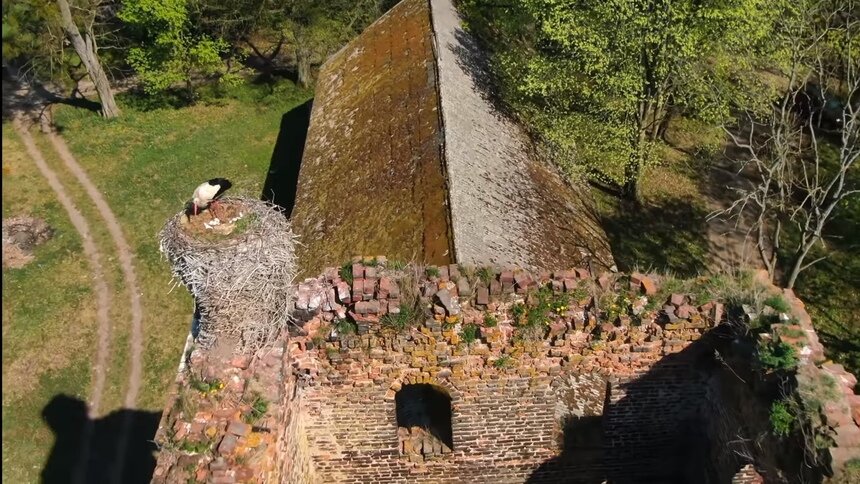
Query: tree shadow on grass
[[67, 418], [668, 235], [282, 180]]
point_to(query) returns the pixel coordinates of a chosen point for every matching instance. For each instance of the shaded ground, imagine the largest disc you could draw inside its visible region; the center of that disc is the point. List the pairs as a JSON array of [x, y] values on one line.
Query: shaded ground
[[282, 180], [666, 235], [67, 418]]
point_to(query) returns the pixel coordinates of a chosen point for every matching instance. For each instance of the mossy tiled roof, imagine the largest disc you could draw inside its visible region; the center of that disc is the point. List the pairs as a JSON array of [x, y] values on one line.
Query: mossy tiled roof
[[402, 126], [371, 180]]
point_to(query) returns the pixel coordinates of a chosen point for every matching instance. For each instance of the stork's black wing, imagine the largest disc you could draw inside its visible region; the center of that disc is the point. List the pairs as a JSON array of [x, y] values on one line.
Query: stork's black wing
[[223, 185]]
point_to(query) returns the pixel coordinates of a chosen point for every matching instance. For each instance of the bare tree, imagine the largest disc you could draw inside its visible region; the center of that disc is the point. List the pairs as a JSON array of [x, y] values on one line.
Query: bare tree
[[85, 47], [799, 184]]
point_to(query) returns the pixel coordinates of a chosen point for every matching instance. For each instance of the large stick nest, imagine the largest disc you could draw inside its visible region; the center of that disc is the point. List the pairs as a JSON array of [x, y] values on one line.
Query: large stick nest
[[238, 261]]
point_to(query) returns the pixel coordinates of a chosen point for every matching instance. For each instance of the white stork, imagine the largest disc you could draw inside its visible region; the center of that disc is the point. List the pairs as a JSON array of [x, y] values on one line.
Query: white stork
[[208, 193]]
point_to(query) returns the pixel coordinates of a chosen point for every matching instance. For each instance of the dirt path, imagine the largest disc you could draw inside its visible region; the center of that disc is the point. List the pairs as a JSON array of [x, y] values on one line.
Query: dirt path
[[103, 293], [124, 253]]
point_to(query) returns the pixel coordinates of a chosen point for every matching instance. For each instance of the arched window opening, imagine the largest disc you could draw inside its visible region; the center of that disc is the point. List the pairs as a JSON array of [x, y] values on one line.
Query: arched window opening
[[423, 421]]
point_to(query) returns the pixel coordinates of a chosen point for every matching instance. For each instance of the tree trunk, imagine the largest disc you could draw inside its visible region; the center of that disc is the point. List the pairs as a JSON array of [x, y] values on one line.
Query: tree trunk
[[303, 65], [87, 51], [630, 189]]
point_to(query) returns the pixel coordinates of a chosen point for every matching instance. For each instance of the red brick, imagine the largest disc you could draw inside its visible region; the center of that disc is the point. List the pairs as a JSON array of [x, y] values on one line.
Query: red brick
[[385, 285], [453, 271], [357, 289], [483, 297], [228, 444], [239, 428]]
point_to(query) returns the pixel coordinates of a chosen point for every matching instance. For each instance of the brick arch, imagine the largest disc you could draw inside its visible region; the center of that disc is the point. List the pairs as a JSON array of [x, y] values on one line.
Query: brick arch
[[416, 378], [425, 414]]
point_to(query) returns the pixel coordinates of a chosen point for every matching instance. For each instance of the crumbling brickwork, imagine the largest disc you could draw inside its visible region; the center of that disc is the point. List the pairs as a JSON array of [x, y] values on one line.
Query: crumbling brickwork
[[584, 401], [575, 394]]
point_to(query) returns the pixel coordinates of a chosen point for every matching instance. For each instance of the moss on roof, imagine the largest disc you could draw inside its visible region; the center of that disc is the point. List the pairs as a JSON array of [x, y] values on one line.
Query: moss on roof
[[371, 180]]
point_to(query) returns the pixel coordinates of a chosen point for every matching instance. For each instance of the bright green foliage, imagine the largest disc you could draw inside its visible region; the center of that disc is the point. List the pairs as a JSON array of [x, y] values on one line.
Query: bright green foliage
[[776, 355], [469, 333], [778, 303], [600, 79], [781, 419], [407, 317], [346, 272], [169, 51], [504, 361], [259, 407], [345, 327], [490, 321]]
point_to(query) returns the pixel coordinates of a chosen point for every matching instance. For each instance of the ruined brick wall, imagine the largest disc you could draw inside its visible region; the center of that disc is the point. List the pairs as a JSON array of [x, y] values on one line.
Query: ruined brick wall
[[583, 402], [585, 395], [296, 466]]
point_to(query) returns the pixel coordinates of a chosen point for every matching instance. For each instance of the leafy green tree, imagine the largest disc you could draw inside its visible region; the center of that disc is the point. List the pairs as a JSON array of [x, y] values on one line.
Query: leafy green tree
[[32, 37], [169, 49], [600, 80], [319, 28], [36, 34]]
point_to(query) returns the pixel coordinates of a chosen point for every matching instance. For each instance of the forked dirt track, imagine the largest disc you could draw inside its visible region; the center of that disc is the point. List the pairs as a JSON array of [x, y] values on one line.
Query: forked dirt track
[[102, 291], [126, 262]]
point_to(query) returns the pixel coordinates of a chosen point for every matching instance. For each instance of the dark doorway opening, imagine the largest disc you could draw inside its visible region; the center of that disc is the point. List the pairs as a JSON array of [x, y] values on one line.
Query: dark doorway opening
[[282, 181], [425, 408]]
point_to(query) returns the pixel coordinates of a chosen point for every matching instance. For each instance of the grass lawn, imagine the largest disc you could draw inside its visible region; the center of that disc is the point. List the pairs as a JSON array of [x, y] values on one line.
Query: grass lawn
[[48, 320], [146, 164]]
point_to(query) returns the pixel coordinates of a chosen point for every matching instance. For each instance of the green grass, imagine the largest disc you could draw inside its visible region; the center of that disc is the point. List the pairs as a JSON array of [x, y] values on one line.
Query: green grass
[[776, 355], [48, 320], [407, 317], [831, 288], [146, 164]]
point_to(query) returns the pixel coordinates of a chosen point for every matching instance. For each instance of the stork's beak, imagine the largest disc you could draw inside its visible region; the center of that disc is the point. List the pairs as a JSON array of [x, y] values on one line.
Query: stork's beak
[[195, 209]]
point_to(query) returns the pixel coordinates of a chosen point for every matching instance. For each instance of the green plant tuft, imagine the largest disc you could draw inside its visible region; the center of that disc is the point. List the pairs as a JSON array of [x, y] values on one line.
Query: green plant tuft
[[259, 407], [345, 327], [504, 361], [782, 420], [432, 271], [469, 333], [490, 320], [778, 303], [346, 272], [402, 320], [776, 355], [486, 275]]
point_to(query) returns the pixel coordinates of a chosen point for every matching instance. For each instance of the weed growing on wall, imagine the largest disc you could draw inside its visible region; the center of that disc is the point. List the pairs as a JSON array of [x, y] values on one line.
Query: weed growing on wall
[[782, 420], [469, 333], [776, 355]]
